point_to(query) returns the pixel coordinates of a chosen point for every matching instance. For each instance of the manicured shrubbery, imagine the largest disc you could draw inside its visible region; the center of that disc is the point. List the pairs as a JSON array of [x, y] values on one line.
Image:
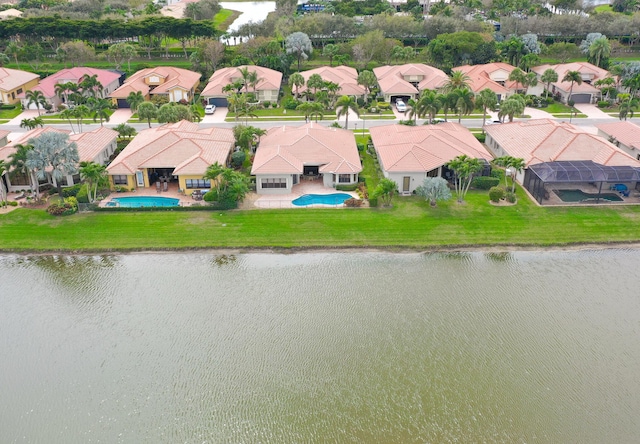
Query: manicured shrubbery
[[604, 104], [237, 158], [353, 203], [347, 187], [484, 182], [496, 193], [82, 195], [72, 190], [481, 137], [384, 105], [290, 103], [510, 197], [69, 206]]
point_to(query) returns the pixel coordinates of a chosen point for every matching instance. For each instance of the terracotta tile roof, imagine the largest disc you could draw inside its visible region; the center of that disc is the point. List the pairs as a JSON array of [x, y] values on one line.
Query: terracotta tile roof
[[181, 145], [546, 140], [404, 148], [391, 81], [174, 78], [481, 76], [287, 149], [344, 76], [625, 132], [10, 79], [90, 144], [587, 69], [48, 85], [269, 80]]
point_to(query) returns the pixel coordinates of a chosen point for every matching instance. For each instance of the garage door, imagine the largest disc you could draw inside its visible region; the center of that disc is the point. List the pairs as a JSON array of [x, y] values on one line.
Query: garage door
[[581, 98], [218, 102], [122, 103]]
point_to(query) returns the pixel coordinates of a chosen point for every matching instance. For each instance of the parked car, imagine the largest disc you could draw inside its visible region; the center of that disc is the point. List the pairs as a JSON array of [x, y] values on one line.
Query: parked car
[[209, 109], [436, 121], [400, 106]]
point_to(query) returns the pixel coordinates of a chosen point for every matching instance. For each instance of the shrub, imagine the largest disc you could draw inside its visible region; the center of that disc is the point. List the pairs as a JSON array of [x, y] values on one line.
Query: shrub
[[266, 104], [335, 125], [72, 190], [407, 122], [481, 137], [353, 203], [373, 201], [360, 102], [484, 182], [384, 105], [13, 203], [604, 104], [237, 158], [82, 195], [290, 103], [211, 196], [496, 173], [496, 193], [361, 146], [69, 206], [510, 197], [347, 187], [362, 189]]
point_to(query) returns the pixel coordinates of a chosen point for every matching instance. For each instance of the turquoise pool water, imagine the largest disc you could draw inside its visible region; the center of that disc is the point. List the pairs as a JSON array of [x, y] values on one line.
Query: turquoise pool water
[[325, 199], [579, 196], [143, 201]]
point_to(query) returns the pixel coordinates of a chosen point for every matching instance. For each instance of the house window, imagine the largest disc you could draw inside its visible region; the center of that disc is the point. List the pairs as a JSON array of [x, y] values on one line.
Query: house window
[[19, 91], [197, 183], [120, 179], [344, 178], [274, 183]]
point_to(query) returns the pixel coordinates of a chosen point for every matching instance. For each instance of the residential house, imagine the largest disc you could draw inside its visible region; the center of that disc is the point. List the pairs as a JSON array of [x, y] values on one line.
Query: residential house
[[267, 88], [14, 82], [546, 140], [623, 134], [407, 81], [409, 154], [175, 83], [180, 151], [582, 93], [495, 76], [110, 80], [93, 146], [288, 154], [346, 77]]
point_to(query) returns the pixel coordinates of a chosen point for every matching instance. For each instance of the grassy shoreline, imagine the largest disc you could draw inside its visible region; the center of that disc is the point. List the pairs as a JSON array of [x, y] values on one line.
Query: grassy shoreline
[[410, 225]]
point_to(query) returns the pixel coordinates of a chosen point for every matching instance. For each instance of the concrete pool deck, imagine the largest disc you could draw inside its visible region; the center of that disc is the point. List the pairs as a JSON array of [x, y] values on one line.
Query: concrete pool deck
[[285, 200]]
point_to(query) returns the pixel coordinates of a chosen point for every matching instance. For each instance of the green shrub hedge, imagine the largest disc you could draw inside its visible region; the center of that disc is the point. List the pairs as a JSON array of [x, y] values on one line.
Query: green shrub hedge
[[71, 191], [496, 193], [484, 182], [347, 187], [481, 137]]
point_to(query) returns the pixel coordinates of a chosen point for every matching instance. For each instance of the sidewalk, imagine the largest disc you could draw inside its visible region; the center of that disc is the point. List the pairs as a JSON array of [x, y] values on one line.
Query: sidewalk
[[592, 111], [27, 114], [536, 113]]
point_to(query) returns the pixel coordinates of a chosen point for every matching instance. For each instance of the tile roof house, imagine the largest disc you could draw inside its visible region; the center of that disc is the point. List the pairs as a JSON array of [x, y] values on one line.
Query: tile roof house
[[110, 80], [495, 76], [267, 88], [286, 155], [626, 135], [409, 154], [180, 150], [175, 83], [93, 146], [407, 81], [583, 93], [14, 82], [344, 76], [546, 140]]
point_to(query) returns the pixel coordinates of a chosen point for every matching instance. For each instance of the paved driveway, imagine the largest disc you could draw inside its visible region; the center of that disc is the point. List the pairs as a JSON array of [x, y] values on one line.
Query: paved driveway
[[121, 115], [216, 117], [592, 111]]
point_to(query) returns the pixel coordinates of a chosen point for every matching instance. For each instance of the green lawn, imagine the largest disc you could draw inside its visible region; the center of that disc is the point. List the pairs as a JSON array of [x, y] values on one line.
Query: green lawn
[[409, 224], [224, 18], [9, 114]]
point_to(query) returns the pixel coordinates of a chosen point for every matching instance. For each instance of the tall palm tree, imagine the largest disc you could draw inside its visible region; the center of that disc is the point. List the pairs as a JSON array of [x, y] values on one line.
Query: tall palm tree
[[573, 77], [100, 109], [486, 99], [457, 80], [245, 74], [518, 76], [429, 103], [368, 80], [36, 97], [317, 110], [511, 107], [296, 80], [343, 106], [92, 173], [253, 80], [18, 165], [306, 108], [3, 169], [147, 111], [464, 102], [413, 110], [134, 99], [315, 82], [600, 50], [92, 85], [80, 112], [549, 76]]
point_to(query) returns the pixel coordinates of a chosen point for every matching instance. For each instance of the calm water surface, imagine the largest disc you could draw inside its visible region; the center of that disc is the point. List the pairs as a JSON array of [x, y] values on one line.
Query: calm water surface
[[320, 347]]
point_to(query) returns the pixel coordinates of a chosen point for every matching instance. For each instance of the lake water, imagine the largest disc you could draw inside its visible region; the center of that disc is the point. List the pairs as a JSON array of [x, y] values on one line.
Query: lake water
[[320, 347]]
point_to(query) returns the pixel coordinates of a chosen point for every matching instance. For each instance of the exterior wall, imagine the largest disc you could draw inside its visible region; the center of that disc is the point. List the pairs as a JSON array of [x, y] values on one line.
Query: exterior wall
[[11, 96], [536, 90], [269, 94], [182, 181], [627, 149], [332, 180], [107, 151], [111, 87], [131, 182], [494, 147], [177, 94], [416, 180], [261, 190]]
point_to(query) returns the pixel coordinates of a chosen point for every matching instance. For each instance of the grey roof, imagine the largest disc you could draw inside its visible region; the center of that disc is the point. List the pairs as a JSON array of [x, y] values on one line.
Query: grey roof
[[584, 171]]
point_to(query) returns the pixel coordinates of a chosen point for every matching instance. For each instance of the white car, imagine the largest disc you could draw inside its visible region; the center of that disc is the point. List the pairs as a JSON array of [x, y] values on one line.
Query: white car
[[209, 109], [400, 106]]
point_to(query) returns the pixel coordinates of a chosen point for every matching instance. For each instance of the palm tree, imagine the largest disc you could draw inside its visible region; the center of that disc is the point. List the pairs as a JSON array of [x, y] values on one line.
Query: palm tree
[[573, 77], [315, 81], [511, 107], [92, 85], [514, 164], [549, 76], [134, 99], [52, 153], [518, 76], [18, 165], [296, 80], [458, 80], [13, 49], [68, 114], [245, 74], [92, 173], [332, 89], [80, 112], [330, 51], [62, 90], [600, 50], [125, 131], [628, 106], [306, 108], [317, 110], [429, 104], [464, 168], [343, 106], [486, 99], [147, 111], [413, 110], [100, 109], [253, 80], [3, 169], [36, 97], [368, 80], [464, 102]]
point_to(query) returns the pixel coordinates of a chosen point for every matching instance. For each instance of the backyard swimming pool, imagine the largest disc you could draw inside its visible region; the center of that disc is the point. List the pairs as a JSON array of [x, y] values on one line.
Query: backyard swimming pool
[[325, 199], [579, 196], [143, 201]]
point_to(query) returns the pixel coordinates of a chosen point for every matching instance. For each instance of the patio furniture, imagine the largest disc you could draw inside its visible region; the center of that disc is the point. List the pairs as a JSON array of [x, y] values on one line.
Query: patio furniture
[[619, 187], [166, 186], [158, 186], [625, 193]]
